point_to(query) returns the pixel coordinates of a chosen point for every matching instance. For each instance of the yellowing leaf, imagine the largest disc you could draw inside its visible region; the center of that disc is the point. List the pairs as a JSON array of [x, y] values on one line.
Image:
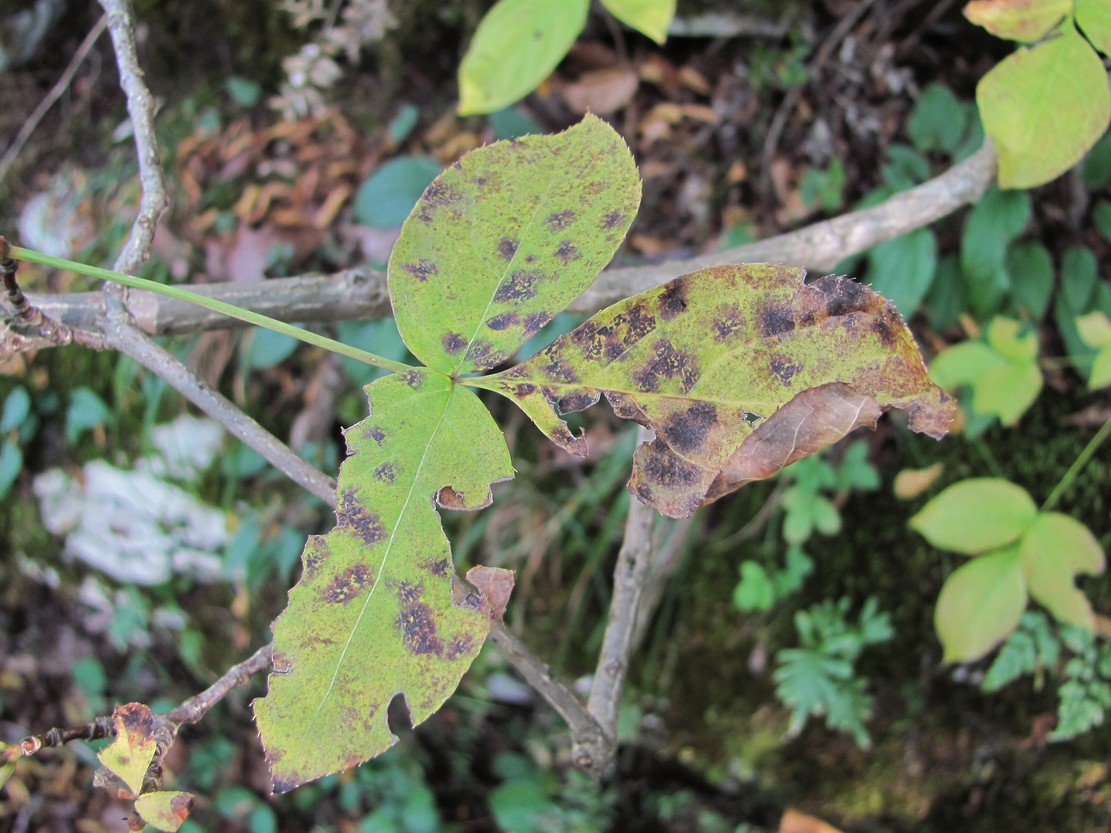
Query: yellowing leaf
[[1054, 550], [503, 240], [166, 809], [980, 604], [976, 515], [719, 356], [1021, 20], [910, 483], [374, 614], [516, 46], [1044, 107], [649, 17], [129, 755]]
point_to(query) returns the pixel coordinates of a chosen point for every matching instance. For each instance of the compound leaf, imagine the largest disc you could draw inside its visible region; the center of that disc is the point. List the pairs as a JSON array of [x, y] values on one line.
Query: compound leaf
[[726, 355], [506, 238], [129, 755], [980, 604], [374, 614], [1054, 550], [516, 46]]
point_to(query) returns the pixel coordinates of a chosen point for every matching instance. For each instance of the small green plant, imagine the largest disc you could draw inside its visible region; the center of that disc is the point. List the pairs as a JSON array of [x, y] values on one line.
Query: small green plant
[[519, 42], [1018, 552], [761, 588], [819, 677]]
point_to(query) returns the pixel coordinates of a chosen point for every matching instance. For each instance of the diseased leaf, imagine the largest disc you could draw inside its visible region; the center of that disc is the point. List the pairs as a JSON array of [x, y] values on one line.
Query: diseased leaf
[[130, 754], [166, 809], [712, 357], [649, 17], [1021, 20], [506, 238], [980, 604], [516, 46], [1044, 108], [374, 614], [976, 515], [1054, 550]]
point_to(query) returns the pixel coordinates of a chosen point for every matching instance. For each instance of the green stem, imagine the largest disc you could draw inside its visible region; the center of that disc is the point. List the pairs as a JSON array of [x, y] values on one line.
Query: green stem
[[1081, 461], [230, 310]]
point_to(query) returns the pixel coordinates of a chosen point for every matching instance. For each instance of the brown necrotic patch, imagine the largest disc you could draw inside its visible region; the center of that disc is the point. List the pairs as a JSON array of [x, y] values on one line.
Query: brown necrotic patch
[[673, 300], [842, 295], [316, 553], [667, 363], [422, 270], [728, 324], [612, 220], [507, 247], [535, 321], [521, 286], [452, 343], [578, 401], [387, 473], [559, 370], [524, 389], [438, 567], [484, 356], [663, 468], [364, 523], [568, 252], [461, 645], [408, 592], [413, 378], [503, 321], [687, 432], [418, 629], [375, 433], [784, 369], [775, 319], [560, 219], [439, 193], [348, 585]]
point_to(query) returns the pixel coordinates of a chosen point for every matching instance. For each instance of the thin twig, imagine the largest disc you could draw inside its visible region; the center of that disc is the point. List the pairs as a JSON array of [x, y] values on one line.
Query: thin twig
[[56, 92], [361, 293], [196, 707], [140, 109]]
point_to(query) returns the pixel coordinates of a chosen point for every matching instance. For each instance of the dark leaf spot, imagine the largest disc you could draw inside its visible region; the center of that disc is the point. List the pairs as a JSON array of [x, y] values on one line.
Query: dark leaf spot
[[774, 320], [567, 252], [439, 193], [668, 363], [507, 248], [316, 553], [387, 473], [887, 333], [280, 664], [460, 645], [422, 270], [662, 467], [673, 300], [783, 369], [439, 568], [729, 324], [503, 321], [578, 401], [687, 432], [413, 378], [842, 295], [612, 220], [524, 389], [531, 259], [408, 593], [484, 356], [560, 220], [366, 524], [453, 342], [535, 321], [519, 287], [418, 629], [349, 584], [559, 370], [375, 433]]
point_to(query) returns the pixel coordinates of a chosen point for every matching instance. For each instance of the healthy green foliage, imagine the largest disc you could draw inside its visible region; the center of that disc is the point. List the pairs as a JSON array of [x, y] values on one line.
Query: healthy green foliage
[[493, 250], [1002, 370], [761, 588], [1032, 648], [1081, 291], [1095, 330], [1085, 692], [519, 43], [819, 678], [993, 223], [903, 268], [387, 196], [1019, 551], [1044, 106]]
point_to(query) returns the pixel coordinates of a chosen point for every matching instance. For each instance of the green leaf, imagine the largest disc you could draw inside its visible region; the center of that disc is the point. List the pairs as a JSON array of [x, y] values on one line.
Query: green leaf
[[1094, 19], [1044, 108], [980, 604], [1095, 173], [903, 268], [723, 355], [1101, 218], [975, 515], [165, 809], [128, 756], [516, 46], [939, 120], [1020, 20], [505, 239], [1007, 391], [649, 17], [1031, 271], [755, 590], [1054, 550], [17, 407], [374, 613], [1079, 278], [86, 411], [387, 196], [11, 464], [6, 769], [1095, 329], [997, 219], [945, 298]]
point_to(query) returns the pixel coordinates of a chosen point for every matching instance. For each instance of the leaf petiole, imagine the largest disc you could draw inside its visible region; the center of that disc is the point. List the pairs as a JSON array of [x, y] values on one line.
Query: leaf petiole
[[222, 307]]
